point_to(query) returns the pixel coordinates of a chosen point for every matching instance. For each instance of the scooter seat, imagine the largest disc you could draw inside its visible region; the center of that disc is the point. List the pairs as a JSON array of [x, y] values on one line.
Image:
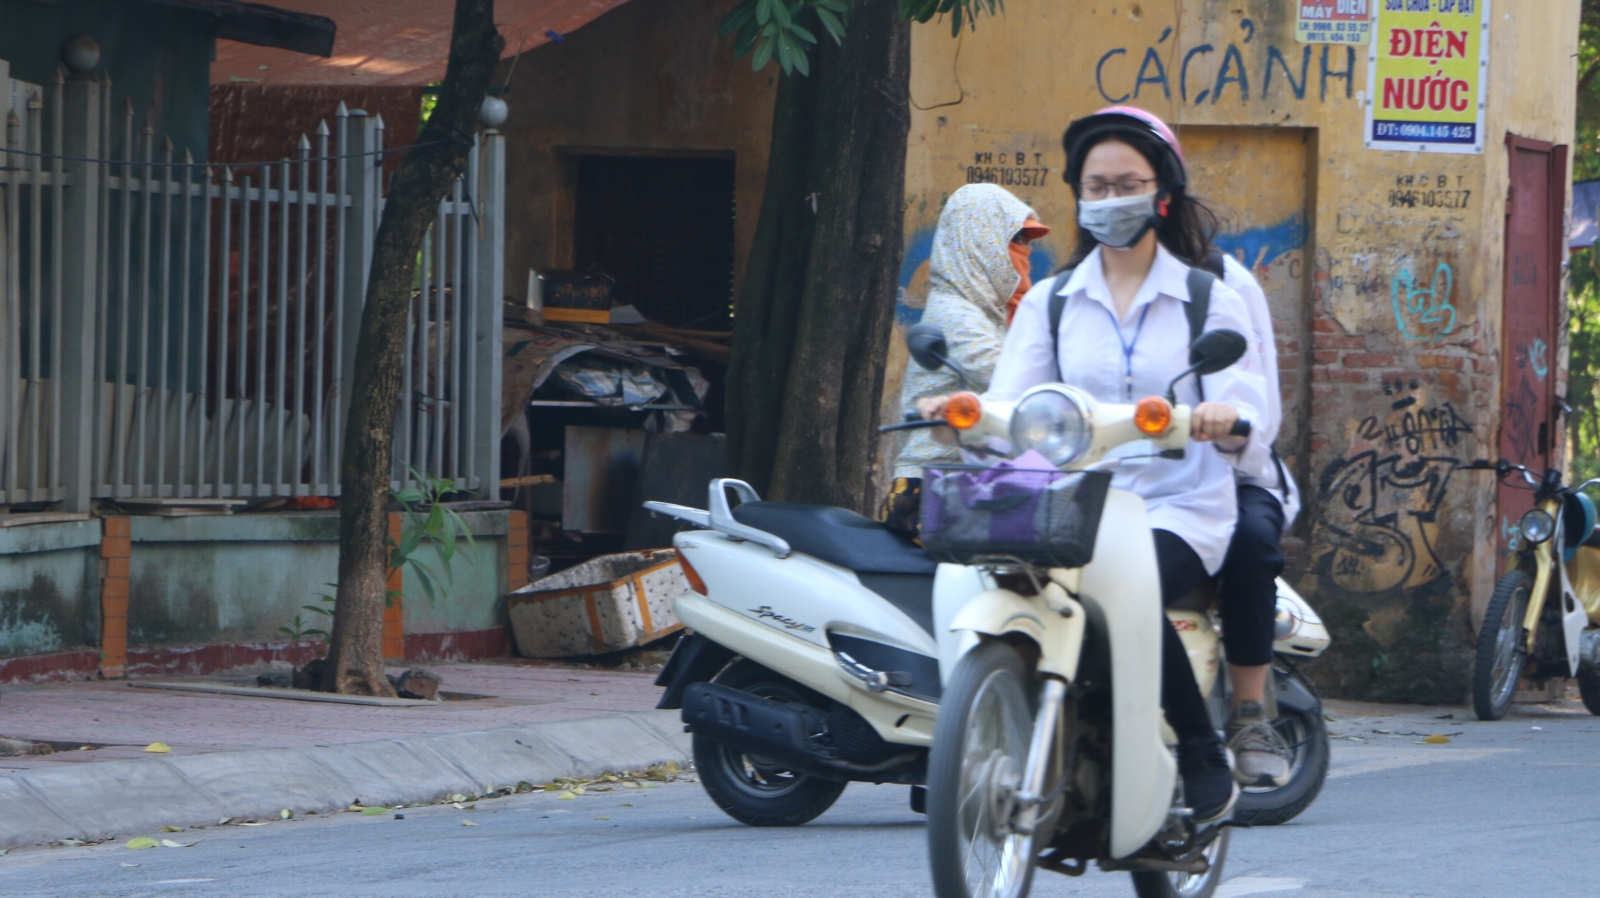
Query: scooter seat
[[838, 536], [886, 562]]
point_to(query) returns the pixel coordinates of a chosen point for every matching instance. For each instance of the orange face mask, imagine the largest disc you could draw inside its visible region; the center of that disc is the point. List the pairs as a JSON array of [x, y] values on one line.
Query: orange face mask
[[1020, 254]]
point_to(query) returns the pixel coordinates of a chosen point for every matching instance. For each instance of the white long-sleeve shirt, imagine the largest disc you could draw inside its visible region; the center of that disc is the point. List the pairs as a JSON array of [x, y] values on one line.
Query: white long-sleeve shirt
[[1255, 464], [1123, 361]]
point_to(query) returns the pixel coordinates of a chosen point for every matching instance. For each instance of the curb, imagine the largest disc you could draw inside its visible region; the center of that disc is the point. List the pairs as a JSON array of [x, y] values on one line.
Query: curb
[[108, 799]]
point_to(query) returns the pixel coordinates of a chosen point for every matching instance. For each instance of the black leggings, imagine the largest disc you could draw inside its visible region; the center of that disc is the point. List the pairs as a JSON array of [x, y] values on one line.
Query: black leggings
[[1248, 593], [1181, 571]]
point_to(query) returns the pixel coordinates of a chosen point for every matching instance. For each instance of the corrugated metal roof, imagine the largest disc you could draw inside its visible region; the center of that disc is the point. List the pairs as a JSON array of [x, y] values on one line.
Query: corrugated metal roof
[[395, 42]]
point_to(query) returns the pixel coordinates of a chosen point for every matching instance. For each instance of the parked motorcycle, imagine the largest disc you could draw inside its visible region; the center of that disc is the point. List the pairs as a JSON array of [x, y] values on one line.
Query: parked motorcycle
[[827, 620], [1051, 749], [1543, 620]]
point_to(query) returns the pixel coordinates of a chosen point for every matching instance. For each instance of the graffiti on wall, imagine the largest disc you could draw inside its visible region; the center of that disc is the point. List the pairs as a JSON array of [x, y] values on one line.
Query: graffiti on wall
[[1422, 311], [1378, 505], [1273, 70]]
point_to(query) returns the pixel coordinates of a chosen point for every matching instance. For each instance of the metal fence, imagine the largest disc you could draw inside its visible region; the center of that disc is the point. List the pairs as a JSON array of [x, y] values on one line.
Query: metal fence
[[180, 330]]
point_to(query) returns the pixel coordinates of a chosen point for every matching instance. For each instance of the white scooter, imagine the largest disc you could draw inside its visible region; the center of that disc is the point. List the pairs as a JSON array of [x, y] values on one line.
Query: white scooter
[[827, 618], [1051, 749]]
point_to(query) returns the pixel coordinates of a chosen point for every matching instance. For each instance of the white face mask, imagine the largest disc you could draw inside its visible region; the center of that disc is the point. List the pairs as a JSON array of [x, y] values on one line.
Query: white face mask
[[1118, 222]]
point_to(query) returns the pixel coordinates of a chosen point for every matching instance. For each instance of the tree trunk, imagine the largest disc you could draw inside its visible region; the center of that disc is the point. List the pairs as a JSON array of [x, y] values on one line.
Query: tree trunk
[[355, 655], [812, 325]]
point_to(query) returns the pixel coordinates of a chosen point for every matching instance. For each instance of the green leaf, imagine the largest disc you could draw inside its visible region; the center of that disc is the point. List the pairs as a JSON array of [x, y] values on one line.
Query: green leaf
[[314, 633], [802, 34], [831, 23], [801, 64], [409, 496], [318, 609], [764, 11], [737, 19], [746, 39], [763, 54], [285, 630], [426, 580], [781, 14]]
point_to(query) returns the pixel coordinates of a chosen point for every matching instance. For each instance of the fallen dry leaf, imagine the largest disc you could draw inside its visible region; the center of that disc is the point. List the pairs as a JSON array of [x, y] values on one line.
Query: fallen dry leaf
[[142, 842], [159, 747], [1435, 739], [602, 818], [262, 823], [126, 864], [373, 812], [168, 843], [286, 813], [566, 796], [468, 823], [172, 829]]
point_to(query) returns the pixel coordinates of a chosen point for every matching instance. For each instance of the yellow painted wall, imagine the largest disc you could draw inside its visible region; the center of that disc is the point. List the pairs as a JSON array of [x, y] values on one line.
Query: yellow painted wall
[[1377, 397]]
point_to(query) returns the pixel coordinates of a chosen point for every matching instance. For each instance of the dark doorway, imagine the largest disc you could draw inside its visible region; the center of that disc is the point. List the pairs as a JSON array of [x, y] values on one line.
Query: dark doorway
[[1534, 212], [662, 226]]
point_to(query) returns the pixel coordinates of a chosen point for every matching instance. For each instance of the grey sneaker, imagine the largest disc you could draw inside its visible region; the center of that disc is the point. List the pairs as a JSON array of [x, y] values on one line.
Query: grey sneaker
[[1261, 755]]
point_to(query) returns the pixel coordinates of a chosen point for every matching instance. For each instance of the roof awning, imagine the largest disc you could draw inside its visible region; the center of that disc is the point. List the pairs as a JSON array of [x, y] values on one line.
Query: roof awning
[[287, 31], [396, 42]]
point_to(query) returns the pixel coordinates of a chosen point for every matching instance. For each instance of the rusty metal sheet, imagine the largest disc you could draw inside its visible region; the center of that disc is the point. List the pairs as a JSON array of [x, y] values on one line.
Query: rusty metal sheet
[[602, 472], [395, 42]]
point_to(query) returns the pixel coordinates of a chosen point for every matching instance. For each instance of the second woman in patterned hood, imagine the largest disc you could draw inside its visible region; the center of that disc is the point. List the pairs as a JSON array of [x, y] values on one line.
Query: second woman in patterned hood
[[976, 275]]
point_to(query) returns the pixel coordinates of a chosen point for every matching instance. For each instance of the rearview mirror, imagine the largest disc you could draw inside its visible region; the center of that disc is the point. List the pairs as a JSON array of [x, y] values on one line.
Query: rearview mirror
[[927, 345], [1215, 350]]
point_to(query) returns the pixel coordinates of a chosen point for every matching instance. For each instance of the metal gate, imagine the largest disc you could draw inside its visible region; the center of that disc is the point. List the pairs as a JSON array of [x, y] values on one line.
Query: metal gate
[[182, 330]]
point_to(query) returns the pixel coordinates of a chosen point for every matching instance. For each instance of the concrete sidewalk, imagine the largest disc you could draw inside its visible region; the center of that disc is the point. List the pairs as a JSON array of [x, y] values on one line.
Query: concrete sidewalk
[[247, 757]]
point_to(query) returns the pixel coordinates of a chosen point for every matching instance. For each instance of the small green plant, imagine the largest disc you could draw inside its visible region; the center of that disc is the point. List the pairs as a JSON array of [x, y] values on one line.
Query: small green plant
[[298, 630], [426, 523], [426, 520]]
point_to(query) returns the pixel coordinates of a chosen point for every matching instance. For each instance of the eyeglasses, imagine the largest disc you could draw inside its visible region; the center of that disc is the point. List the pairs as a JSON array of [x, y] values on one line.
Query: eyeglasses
[[1099, 190]]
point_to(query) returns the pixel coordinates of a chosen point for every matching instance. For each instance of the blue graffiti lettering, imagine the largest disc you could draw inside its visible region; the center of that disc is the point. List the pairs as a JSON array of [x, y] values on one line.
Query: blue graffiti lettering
[[1260, 246], [1539, 357], [1430, 305], [1305, 69], [1099, 82], [1150, 56], [1231, 61], [1165, 34], [1250, 26], [1183, 74], [1348, 74]]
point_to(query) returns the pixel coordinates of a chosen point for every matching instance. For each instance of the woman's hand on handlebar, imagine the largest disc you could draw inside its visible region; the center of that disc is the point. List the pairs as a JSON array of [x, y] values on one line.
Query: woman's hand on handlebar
[[932, 407], [1213, 421]]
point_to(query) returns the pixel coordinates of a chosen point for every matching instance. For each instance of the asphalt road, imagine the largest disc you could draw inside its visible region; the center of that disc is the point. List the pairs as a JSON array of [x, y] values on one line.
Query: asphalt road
[[1504, 809]]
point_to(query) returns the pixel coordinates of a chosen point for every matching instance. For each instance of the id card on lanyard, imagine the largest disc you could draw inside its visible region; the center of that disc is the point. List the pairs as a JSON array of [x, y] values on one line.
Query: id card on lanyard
[[1138, 452]]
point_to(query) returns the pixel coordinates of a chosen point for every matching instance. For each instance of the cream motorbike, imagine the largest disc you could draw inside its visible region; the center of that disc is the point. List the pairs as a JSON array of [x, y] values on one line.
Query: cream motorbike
[[1050, 748]]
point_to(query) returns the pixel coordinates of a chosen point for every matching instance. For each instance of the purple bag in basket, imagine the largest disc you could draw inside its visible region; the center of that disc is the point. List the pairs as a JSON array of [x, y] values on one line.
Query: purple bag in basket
[[997, 504]]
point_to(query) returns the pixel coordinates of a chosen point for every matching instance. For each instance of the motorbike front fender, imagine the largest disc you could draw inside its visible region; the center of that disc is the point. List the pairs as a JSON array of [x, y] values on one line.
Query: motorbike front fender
[[1055, 624]]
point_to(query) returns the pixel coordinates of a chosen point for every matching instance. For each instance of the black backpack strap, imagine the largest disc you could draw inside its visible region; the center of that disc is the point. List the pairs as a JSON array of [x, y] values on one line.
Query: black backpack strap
[[1214, 263], [1058, 304], [1198, 306]]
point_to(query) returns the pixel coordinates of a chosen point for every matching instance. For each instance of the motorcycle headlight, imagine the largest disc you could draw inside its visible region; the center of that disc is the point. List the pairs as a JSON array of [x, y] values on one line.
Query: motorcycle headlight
[[1052, 421], [1537, 526]]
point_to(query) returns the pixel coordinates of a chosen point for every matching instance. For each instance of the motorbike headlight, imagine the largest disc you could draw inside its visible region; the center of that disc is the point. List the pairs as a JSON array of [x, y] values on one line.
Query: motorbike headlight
[[1537, 526], [1053, 422]]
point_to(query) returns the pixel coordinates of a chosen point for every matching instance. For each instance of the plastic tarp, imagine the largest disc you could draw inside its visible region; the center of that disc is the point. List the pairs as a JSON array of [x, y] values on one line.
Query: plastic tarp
[[395, 42]]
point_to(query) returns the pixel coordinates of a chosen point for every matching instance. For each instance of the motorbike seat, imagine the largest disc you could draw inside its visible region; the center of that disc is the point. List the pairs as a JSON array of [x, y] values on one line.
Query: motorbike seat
[[887, 562]]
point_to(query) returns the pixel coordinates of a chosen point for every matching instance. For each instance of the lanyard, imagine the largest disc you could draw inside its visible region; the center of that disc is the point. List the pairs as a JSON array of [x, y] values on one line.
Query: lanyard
[[1127, 348]]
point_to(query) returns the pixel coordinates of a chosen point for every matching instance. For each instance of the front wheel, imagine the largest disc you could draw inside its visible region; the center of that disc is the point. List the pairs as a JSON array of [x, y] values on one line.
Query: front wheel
[[1501, 652], [753, 789], [1185, 885], [975, 770]]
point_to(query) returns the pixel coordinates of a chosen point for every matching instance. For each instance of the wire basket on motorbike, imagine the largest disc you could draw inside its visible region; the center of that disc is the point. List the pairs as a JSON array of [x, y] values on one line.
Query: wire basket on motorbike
[[1032, 513]]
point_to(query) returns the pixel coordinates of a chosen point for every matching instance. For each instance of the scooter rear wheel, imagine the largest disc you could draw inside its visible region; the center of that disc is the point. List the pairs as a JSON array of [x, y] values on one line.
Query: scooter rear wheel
[[1501, 651], [975, 769], [755, 790], [1589, 690]]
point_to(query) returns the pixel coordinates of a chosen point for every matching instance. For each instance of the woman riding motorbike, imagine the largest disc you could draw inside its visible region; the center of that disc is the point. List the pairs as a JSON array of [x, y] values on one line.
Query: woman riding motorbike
[[977, 275], [1268, 500], [1124, 333]]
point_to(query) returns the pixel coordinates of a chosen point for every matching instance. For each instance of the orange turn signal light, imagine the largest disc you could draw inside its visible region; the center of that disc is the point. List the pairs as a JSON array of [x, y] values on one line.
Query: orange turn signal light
[[1152, 415], [963, 410], [690, 574]]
